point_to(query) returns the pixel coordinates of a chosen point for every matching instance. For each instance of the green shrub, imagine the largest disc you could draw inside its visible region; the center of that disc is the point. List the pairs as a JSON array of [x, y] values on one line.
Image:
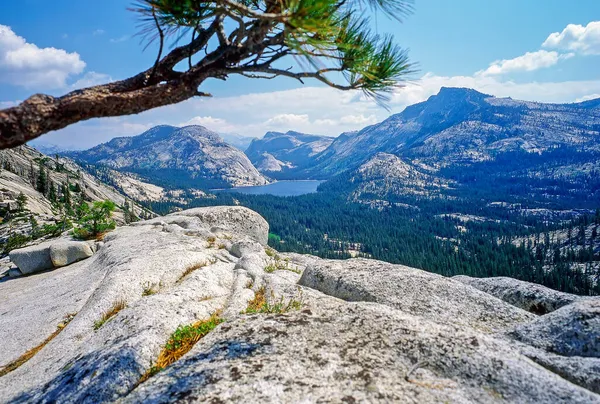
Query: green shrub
[[96, 221], [13, 242]]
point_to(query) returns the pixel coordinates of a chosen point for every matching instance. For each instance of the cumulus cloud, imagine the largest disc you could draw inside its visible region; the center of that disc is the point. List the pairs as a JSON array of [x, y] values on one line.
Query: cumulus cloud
[[27, 65], [8, 104], [98, 32], [358, 119], [576, 38], [215, 124], [120, 39], [287, 120], [91, 79], [587, 97], [528, 62]]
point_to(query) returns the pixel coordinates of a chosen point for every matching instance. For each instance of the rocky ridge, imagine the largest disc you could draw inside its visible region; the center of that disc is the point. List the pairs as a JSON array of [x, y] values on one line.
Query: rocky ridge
[[462, 126], [280, 152], [190, 157], [336, 331], [386, 175], [19, 173]]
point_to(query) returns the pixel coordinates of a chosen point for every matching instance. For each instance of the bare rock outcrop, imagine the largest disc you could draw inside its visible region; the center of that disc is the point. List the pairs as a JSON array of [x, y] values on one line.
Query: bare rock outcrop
[[412, 291], [528, 296], [297, 327]]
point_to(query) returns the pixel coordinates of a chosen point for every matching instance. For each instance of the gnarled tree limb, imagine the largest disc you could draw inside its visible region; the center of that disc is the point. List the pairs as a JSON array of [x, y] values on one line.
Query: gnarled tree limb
[[262, 32]]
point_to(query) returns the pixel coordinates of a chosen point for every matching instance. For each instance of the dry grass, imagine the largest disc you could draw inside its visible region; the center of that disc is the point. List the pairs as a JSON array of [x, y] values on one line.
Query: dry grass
[[110, 313], [31, 353], [149, 289], [260, 304], [181, 342], [211, 241], [191, 269], [279, 265]]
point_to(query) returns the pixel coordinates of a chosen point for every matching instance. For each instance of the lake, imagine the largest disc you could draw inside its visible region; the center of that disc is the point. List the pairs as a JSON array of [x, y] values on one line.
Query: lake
[[279, 188]]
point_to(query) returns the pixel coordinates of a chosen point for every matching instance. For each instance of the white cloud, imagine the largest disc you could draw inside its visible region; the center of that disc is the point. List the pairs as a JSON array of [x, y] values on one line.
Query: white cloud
[[528, 62], [587, 97], [287, 120], [326, 122], [26, 65], [215, 124], [576, 38], [120, 39], [358, 119], [98, 32], [8, 104], [91, 79]]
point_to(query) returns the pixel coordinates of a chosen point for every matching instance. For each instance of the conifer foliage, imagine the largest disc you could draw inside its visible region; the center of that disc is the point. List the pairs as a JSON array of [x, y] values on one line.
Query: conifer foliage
[[330, 41]]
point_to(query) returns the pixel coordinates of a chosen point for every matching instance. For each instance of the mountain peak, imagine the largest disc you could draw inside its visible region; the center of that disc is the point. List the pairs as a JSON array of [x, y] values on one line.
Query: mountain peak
[[460, 91]]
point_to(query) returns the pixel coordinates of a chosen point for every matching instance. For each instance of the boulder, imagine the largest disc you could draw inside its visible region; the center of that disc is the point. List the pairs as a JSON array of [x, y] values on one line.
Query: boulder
[[528, 296], [236, 219], [572, 330], [32, 259], [14, 273], [67, 252], [412, 291], [246, 246]]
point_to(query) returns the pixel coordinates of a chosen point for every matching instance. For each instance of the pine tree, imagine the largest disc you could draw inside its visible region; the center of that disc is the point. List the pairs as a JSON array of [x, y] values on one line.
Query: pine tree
[[42, 180], [66, 193], [21, 202], [52, 193]]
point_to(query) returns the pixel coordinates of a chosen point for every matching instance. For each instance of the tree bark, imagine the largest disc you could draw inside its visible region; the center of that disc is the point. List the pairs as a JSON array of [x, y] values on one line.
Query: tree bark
[[41, 113]]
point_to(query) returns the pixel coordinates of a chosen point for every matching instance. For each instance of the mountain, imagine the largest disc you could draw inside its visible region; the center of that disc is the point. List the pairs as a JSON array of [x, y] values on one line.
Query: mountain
[[385, 175], [20, 174], [280, 153], [235, 139], [191, 157], [463, 126]]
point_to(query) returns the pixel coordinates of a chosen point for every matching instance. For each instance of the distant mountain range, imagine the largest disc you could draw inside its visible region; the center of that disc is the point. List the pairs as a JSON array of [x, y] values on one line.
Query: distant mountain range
[[462, 126], [236, 140], [458, 139], [278, 153], [192, 156]]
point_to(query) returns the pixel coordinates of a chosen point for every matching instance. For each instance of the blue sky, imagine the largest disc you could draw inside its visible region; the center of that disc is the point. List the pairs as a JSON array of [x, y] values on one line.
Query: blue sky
[[534, 50]]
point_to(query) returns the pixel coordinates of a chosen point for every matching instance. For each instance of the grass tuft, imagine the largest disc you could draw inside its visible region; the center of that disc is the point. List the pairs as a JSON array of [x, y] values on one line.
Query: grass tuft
[[181, 342], [110, 313], [279, 265], [149, 289], [31, 353], [211, 241], [260, 304], [191, 269]]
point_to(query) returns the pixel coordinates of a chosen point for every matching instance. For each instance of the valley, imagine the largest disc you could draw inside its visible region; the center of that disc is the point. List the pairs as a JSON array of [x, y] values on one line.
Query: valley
[[452, 185]]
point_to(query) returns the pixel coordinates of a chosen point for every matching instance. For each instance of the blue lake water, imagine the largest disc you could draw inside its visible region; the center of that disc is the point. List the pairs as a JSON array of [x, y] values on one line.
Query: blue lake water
[[279, 188]]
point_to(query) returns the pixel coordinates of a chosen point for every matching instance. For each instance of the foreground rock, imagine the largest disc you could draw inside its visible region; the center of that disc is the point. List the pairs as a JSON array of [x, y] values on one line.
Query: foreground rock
[[32, 259], [534, 298], [49, 254], [573, 330], [412, 291], [337, 352], [347, 331], [67, 252]]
